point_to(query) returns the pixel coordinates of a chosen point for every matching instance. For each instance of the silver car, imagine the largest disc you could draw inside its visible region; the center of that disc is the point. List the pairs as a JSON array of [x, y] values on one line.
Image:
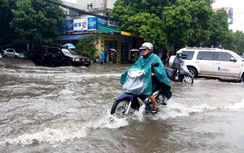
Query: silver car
[[15, 53]]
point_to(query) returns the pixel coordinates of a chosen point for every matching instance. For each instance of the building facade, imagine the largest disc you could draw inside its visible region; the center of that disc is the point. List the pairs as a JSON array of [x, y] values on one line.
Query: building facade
[[79, 25]]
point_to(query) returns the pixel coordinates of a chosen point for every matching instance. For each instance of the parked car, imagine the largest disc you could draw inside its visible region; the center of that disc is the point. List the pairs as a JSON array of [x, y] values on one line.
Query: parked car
[[58, 56], [1, 52], [15, 53], [212, 62]]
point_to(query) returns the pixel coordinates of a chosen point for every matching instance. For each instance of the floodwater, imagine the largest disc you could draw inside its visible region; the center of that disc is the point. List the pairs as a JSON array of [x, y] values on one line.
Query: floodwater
[[66, 110]]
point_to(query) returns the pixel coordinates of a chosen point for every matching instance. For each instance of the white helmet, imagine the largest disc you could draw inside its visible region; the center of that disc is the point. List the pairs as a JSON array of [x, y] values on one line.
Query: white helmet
[[179, 52], [146, 45]]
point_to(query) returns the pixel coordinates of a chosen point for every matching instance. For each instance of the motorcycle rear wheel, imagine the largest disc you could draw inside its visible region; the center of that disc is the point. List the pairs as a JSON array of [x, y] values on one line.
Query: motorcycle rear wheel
[[119, 109]]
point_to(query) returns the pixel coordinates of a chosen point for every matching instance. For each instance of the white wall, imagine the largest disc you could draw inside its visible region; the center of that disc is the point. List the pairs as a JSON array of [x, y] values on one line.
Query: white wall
[[95, 3], [71, 1]]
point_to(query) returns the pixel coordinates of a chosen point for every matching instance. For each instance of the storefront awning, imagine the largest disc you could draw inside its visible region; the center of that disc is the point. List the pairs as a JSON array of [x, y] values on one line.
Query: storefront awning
[[72, 37], [124, 33], [103, 29]]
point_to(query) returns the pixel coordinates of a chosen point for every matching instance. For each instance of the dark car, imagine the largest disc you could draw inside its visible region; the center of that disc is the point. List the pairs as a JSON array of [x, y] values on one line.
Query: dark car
[[58, 56]]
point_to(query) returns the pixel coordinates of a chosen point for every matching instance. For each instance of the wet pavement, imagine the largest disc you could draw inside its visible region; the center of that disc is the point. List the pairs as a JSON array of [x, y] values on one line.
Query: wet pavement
[[66, 109]]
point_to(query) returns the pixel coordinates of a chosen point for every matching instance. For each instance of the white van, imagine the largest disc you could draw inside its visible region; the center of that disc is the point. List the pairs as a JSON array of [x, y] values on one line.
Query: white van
[[212, 62]]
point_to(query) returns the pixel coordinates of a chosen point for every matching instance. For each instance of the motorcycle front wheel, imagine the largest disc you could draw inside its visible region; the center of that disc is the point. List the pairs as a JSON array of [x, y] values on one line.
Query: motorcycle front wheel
[[119, 109], [188, 80]]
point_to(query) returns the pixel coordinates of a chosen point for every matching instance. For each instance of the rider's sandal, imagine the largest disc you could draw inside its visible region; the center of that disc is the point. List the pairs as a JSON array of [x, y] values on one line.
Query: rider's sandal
[[154, 110]]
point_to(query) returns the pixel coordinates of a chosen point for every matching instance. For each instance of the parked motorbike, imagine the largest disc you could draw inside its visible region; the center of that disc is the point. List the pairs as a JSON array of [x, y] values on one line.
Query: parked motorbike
[[126, 103]]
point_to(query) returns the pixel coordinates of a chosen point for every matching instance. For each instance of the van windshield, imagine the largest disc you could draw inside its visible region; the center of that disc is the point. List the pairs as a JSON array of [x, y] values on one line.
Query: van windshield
[[68, 51]]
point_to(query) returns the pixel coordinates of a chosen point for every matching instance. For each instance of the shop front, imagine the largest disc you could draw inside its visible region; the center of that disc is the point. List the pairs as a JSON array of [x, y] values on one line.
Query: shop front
[[117, 43]]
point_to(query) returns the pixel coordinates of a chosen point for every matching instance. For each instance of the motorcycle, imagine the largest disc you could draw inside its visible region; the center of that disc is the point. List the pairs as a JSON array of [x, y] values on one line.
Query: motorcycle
[[185, 76], [126, 103]]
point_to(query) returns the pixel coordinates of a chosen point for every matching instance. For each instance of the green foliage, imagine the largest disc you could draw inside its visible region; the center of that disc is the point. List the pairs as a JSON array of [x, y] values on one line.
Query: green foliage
[[173, 22], [140, 18], [6, 16], [201, 12], [177, 23], [239, 42], [85, 45], [36, 21], [219, 28]]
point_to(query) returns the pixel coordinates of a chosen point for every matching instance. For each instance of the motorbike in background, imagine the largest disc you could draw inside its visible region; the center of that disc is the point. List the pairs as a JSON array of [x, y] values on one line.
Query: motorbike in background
[[184, 76]]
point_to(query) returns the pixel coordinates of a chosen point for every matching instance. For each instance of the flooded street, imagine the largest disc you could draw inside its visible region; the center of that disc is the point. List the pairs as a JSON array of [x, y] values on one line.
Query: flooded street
[[67, 110]]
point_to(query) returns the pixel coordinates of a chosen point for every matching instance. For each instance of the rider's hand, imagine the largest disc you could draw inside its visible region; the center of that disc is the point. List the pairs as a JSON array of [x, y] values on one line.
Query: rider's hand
[[153, 74]]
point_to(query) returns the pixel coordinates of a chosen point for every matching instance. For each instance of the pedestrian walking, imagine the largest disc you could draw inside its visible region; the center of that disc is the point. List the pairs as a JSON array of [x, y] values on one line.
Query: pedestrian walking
[[102, 57]]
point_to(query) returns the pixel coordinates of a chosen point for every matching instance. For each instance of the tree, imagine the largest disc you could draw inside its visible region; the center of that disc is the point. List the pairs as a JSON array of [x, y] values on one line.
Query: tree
[[177, 24], [201, 12], [174, 22], [218, 26], [36, 21], [85, 45], [239, 42], [141, 18], [6, 16]]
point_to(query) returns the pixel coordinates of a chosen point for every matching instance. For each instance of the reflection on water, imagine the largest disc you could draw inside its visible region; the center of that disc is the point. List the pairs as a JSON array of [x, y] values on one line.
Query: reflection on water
[[66, 109]]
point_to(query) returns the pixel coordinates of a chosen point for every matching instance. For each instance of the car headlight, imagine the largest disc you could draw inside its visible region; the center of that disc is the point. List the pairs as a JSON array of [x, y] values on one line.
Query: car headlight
[[76, 59]]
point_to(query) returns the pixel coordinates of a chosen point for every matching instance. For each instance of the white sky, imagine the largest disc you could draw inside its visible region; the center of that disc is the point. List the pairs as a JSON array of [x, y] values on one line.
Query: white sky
[[238, 12]]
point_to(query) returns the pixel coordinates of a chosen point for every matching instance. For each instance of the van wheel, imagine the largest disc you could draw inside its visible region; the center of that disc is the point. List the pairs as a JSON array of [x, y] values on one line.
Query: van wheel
[[193, 72], [39, 62], [66, 63]]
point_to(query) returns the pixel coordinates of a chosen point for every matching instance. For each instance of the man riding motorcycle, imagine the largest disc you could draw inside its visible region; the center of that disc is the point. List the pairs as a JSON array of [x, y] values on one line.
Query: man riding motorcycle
[[144, 63]]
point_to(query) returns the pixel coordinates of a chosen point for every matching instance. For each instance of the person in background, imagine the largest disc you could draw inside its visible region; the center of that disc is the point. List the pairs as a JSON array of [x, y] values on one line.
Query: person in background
[[113, 57], [105, 56], [176, 64], [102, 57], [140, 54], [135, 56]]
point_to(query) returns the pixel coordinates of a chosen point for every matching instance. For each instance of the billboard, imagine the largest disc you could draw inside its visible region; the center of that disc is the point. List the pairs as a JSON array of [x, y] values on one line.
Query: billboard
[[69, 25], [80, 25], [92, 23]]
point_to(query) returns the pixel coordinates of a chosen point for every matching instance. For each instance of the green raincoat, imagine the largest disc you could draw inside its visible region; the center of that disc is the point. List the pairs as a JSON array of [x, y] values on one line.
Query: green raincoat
[[160, 72]]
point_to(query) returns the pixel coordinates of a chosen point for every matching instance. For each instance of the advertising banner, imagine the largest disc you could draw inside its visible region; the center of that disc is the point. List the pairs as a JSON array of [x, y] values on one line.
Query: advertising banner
[[80, 25], [102, 22], [111, 23], [69, 25], [92, 23]]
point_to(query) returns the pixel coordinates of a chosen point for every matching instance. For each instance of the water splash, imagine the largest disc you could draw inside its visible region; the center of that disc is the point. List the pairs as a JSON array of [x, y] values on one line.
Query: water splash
[[236, 106]]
